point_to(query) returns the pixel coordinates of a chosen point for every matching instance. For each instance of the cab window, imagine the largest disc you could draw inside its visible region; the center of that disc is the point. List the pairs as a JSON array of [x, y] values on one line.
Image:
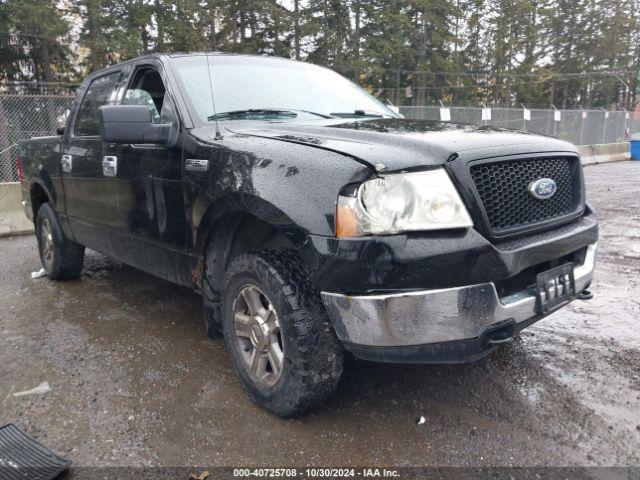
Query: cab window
[[98, 94], [146, 88]]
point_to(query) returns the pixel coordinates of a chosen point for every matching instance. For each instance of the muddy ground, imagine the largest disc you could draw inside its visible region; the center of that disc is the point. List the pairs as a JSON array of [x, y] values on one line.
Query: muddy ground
[[135, 381]]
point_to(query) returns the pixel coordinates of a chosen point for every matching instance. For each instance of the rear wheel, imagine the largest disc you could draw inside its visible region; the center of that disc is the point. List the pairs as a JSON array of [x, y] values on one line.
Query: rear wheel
[[278, 333], [61, 257]]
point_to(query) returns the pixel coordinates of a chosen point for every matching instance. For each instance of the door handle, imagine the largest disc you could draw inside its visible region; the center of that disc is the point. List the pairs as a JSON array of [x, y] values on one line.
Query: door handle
[[66, 162], [109, 166]]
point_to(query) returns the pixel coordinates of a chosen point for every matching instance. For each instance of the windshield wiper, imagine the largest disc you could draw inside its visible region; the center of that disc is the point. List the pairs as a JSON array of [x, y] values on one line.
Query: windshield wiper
[[323, 115], [278, 112], [358, 113], [253, 111]]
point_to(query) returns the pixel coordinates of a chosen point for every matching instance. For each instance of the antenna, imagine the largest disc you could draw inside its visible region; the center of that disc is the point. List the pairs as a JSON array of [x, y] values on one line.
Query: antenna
[[213, 100]]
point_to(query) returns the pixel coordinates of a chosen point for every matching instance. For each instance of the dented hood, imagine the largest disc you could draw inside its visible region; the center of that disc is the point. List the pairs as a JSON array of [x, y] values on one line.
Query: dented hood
[[401, 143]]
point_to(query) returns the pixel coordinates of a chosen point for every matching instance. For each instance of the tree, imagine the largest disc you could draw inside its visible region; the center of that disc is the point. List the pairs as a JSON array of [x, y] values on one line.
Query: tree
[[567, 52], [35, 47], [386, 26], [328, 24], [11, 53]]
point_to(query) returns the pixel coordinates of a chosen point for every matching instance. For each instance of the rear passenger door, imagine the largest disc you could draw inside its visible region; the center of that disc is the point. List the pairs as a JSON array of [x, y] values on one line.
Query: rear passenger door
[[83, 179]]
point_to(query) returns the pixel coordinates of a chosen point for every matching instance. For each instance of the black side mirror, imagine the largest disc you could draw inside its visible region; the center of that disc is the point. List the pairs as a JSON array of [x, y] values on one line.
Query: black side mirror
[[132, 124]]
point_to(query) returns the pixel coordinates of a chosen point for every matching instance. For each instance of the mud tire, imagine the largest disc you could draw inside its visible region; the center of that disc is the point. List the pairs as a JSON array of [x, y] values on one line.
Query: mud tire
[[67, 256], [313, 357]]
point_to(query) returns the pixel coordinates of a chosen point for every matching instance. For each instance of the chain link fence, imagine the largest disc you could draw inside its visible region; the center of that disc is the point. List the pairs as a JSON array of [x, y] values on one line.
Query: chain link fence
[[30, 115], [581, 127], [24, 116]]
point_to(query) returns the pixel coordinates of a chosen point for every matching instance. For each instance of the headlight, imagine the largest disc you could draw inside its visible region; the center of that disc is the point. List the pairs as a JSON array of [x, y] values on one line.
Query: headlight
[[402, 202]]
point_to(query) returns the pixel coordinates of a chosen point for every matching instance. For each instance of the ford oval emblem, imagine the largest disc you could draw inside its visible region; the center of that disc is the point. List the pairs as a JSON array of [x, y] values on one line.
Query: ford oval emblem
[[543, 188]]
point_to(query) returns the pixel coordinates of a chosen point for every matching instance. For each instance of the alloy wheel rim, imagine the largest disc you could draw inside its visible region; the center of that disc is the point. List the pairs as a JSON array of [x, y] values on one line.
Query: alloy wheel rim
[[47, 242], [258, 335]]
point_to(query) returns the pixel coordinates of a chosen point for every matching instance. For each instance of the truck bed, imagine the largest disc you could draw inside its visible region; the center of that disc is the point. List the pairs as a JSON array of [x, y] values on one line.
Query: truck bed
[[40, 161]]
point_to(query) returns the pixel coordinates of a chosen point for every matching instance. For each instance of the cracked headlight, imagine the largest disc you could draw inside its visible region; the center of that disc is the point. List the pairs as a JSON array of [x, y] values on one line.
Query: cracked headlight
[[401, 202]]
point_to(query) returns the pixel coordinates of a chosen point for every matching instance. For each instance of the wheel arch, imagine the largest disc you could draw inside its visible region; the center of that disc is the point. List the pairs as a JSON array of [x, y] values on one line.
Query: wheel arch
[[233, 227], [37, 196], [229, 229]]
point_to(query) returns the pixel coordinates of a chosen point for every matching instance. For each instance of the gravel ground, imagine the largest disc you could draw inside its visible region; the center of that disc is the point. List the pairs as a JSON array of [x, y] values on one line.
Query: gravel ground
[[135, 382]]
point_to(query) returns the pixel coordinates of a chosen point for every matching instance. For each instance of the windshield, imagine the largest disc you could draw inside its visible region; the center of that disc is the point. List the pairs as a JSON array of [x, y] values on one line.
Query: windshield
[[269, 88]]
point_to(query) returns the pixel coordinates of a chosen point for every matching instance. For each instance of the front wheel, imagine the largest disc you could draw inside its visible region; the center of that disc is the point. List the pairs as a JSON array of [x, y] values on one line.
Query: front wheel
[[61, 257], [278, 333]]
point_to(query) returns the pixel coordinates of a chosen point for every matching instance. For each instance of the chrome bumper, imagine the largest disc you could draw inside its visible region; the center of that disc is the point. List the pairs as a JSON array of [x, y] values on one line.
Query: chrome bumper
[[431, 316]]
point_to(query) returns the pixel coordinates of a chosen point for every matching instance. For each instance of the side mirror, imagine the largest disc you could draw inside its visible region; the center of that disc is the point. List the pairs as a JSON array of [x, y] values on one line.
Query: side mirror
[[132, 124]]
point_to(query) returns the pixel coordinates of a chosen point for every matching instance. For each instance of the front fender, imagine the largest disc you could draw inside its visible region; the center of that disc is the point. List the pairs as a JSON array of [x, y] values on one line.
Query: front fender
[[222, 213], [292, 187]]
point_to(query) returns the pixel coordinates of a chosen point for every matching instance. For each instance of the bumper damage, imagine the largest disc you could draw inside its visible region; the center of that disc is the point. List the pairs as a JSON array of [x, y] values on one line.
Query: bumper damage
[[441, 325]]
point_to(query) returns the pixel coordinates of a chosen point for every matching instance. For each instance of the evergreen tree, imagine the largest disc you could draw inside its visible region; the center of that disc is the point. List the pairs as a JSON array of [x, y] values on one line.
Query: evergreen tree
[[34, 41], [567, 52], [329, 26]]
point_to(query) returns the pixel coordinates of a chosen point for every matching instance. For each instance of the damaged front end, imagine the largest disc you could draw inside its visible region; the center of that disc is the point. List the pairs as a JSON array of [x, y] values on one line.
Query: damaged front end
[[452, 324], [452, 291]]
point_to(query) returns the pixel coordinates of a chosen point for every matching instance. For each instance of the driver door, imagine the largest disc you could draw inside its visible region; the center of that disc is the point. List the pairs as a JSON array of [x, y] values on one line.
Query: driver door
[[148, 222]]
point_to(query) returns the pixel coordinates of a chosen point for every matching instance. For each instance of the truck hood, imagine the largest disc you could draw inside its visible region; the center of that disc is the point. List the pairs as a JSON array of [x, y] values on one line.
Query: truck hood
[[399, 144]]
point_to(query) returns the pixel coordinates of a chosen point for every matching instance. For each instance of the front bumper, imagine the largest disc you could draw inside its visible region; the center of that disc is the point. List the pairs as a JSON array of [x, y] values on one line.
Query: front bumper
[[407, 326]]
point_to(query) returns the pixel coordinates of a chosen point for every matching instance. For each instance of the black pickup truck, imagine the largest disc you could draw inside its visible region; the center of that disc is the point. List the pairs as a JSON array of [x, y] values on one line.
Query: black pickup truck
[[312, 218]]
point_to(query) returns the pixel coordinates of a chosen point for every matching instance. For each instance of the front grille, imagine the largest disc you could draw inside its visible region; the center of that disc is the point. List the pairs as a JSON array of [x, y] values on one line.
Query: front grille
[[503, 188]]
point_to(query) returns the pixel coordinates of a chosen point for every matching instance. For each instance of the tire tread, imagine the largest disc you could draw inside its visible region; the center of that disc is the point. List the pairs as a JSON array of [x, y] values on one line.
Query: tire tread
[[68, 255], [319, 355]]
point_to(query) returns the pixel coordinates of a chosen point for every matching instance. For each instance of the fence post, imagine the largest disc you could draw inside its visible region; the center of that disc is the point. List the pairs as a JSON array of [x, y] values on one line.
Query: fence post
[[626, 125]]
